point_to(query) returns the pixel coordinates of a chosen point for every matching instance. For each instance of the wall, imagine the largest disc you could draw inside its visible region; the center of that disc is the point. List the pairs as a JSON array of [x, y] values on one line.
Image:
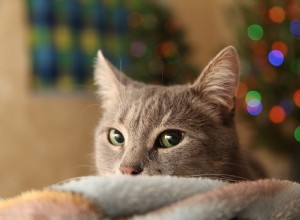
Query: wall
[[207, 30]]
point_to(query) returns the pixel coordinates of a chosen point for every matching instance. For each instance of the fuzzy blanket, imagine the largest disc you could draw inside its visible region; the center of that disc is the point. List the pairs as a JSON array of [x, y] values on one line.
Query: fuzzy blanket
[[157, 197]]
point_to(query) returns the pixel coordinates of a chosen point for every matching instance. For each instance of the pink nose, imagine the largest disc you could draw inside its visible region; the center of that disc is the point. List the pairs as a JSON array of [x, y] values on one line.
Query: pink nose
[[131, 170]]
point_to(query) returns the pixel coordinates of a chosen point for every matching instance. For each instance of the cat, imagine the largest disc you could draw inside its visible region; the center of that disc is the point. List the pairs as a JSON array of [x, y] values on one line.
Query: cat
[[182, 130]]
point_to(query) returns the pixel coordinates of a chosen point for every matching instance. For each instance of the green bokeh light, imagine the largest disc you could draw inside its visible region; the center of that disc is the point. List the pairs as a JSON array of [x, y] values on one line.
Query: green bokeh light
[[297, 134], [255, 32], [253, 95], [295, 66]]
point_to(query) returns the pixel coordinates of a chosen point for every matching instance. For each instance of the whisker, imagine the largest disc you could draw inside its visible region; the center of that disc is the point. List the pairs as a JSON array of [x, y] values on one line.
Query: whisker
[[68, 180], [235, 164], [221, 176], [84, 86], [107, 170], [162, 74]]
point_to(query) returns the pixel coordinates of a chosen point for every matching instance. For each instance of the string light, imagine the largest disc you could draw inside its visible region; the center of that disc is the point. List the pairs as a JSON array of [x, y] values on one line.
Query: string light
[[252, 95], [287, 105], [297, 134], [277, 114], [292, 12], [242, 90], [253, 101], [255, 32], [295, 66], [276, 57], [255, 110], [295, 28], [281, 46], [134, 19], [296, 97], [138, 49], [168, 49], [277, 14]]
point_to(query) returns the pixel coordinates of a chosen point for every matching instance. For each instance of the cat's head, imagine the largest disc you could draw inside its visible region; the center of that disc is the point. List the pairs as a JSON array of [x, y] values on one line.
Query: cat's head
[[168, 130]]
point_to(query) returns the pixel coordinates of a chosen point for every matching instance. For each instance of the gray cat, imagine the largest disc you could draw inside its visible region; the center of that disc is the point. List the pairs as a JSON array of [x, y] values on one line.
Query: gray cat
[[183, 130]]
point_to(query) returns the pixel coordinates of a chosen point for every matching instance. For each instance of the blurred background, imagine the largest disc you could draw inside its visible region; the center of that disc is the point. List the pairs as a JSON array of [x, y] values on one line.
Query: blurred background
[[48, 110]]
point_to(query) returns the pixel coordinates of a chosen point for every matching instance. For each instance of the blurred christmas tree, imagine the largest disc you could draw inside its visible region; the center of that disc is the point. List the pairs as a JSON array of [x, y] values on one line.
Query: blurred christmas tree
[[156, 49], [270, 86]]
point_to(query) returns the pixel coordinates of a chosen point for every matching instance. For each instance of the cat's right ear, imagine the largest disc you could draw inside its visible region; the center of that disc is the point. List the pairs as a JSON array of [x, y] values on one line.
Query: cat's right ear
[[111, 82], [218, 82]]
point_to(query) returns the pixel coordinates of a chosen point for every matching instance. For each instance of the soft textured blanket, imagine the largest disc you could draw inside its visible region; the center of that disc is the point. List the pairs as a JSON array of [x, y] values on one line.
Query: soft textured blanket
[[157, 197]]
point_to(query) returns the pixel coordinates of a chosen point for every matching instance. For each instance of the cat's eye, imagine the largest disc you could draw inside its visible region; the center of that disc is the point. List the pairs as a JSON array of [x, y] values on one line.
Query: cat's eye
[[170, 138], [115, 137]]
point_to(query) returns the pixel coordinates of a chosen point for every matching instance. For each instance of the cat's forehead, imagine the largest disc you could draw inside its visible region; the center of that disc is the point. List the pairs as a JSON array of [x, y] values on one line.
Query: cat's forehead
[[156, 105], [155, 98]]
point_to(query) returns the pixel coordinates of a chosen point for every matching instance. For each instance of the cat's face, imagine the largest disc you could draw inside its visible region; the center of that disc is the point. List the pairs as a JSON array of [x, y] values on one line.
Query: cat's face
[[183, 130]]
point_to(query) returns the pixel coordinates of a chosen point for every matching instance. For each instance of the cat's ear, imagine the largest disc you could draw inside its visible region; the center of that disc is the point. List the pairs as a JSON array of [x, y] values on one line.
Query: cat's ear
[[218, 82], [111, 82]]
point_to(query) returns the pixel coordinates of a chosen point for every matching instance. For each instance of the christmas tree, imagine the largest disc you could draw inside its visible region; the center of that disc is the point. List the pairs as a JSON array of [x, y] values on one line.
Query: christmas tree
[[269, 92], [156, 46]]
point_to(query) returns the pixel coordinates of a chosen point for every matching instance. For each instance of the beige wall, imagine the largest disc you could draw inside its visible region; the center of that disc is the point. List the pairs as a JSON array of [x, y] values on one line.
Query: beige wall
[[207, 30]]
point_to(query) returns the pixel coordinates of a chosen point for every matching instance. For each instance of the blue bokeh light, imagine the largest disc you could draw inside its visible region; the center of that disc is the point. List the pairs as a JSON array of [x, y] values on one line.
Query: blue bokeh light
[[253, 103], [276, 57], [295, 28], [287, 105], [256, 110]]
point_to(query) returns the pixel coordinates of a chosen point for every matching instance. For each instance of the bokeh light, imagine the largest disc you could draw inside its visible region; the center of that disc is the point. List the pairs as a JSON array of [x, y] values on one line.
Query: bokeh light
[[297, 134], [276, 57], [287, 105], [253, 101], [256, 110], [252, 95], [242, 90], [167, 49], [255, 32], [138, 49], [277, 14], [277, 114], [296, 97], [134, 19], [295, 28], [292, 11], [295, 66], [281, 46]]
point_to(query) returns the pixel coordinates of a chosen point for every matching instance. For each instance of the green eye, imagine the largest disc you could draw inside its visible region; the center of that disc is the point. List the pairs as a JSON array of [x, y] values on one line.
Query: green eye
[[170, 138], [115, 137]]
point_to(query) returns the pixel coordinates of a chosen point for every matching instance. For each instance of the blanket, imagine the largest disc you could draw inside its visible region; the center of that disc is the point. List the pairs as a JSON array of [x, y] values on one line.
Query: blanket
[[157, 197]]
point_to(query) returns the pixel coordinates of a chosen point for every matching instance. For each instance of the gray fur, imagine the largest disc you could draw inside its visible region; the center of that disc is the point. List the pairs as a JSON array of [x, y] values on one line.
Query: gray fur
[[204, 111]]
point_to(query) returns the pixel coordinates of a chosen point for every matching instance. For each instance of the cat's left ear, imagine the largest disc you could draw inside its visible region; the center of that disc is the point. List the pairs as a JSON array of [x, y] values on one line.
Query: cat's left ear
[[218, 82], [111, 81]]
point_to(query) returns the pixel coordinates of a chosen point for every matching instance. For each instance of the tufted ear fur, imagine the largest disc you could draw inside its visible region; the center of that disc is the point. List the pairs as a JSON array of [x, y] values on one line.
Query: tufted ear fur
[[218, 82], [111, 82]]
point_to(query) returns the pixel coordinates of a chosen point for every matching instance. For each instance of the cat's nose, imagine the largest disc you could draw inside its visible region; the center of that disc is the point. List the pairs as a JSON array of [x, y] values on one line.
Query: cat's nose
[[131, 170]]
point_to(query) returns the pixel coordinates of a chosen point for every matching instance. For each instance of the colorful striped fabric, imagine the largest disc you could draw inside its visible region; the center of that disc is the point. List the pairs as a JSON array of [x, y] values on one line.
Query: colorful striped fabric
[[66, 34]]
